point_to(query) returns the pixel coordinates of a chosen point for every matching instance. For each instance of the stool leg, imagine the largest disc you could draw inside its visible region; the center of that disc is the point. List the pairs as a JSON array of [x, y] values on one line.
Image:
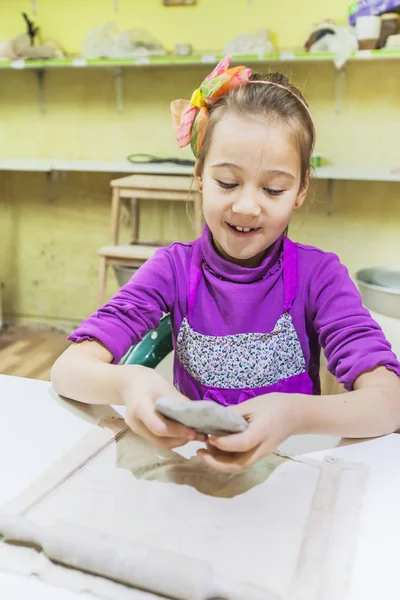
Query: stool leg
[[102, 281], [115, 216], [135, 219]]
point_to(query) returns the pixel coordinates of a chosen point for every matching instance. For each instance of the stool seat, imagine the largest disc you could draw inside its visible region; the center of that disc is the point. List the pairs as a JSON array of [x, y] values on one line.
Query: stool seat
[[176, 183], [128, 251]]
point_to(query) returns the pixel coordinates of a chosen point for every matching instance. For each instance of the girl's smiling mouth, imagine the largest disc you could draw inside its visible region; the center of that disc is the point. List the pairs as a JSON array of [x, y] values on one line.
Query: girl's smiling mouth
[[242, 230]]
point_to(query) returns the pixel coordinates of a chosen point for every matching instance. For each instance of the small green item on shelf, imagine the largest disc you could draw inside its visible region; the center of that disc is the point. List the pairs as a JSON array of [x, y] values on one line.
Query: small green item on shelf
[[353, 8], [316, 160]]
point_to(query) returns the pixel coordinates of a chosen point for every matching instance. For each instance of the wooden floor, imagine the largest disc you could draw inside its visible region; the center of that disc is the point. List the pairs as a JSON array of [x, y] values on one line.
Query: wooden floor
[[28, 351]]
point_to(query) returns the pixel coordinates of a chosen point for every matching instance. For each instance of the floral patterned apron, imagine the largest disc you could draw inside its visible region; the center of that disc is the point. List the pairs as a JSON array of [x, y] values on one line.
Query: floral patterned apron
[[233, 368]]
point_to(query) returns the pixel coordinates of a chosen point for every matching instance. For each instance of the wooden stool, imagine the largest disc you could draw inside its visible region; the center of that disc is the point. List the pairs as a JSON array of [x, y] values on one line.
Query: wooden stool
[[136, 188]]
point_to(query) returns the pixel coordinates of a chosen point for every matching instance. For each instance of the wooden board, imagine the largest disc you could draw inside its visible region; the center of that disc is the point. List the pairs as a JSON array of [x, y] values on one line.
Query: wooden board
[[272, 525]]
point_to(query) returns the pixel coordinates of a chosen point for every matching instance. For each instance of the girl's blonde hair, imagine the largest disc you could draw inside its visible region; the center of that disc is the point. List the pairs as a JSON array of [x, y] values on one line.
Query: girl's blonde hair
[[269, 102]]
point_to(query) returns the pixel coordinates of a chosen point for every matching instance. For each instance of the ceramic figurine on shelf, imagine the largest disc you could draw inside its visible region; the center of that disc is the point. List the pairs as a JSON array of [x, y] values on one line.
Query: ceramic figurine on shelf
[[22, 47], [328, 37]]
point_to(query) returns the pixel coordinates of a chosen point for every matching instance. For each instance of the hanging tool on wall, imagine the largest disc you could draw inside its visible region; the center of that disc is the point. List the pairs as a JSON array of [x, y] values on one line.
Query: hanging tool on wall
[[142, 158]]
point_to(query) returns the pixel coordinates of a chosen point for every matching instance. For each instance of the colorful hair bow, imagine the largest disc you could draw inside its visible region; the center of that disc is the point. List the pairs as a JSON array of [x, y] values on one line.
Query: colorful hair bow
[[190, 118]]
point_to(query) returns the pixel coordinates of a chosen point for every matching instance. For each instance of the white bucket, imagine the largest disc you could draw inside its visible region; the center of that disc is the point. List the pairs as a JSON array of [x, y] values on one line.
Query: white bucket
[[368, 27]]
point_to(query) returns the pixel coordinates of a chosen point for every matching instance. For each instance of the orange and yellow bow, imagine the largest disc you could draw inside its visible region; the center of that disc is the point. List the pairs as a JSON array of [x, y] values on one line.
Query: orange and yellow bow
[[190, 118]]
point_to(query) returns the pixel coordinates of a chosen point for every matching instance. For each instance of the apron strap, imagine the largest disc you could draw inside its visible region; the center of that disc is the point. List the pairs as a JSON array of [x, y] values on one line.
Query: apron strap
[[290, 273], [194, 277]]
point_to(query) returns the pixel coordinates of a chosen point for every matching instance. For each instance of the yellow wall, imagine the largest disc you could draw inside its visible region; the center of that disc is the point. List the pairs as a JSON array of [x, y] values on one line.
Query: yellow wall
[[49, 232], [207, 26]]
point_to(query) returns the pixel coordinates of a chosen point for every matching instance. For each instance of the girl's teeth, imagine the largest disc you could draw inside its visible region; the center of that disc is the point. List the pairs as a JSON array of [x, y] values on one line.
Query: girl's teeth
[[244, 229]]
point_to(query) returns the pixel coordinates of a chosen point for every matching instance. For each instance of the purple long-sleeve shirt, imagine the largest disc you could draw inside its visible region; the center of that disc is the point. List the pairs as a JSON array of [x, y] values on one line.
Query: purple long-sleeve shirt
[[231, 299]]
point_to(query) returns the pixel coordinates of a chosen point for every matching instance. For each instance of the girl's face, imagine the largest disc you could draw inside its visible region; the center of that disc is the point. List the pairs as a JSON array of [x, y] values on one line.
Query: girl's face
[[251, 186]]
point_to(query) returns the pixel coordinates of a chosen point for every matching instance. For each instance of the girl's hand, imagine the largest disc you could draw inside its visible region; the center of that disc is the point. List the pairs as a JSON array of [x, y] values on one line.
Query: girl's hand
[[272, 418], [140, 389]]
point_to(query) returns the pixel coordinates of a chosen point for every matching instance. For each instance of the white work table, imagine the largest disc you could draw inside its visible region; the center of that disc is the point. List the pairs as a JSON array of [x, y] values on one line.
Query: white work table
[[37, 428]]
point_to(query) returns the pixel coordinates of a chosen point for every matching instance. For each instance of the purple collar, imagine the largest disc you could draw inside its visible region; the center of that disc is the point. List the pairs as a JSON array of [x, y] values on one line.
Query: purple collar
[[229, 271]]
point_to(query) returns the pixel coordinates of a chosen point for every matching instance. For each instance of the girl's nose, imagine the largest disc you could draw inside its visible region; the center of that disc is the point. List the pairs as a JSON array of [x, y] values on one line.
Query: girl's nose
[[246, 205]]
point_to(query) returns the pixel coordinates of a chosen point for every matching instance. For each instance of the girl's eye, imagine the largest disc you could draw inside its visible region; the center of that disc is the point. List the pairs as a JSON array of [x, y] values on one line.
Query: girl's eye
[[227, 186], [274, 193]]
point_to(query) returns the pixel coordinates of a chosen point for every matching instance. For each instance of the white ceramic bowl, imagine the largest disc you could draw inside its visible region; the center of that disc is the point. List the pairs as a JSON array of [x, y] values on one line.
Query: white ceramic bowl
[[380, 289]]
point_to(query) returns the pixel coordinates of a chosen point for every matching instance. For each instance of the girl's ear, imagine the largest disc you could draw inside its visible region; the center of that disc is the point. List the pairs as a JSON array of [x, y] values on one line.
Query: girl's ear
[[198, 177], [300, 199], [301, 196]]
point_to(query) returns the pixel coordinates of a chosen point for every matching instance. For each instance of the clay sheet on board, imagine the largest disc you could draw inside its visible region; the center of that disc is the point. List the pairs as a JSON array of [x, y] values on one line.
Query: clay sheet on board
[[288, 527]]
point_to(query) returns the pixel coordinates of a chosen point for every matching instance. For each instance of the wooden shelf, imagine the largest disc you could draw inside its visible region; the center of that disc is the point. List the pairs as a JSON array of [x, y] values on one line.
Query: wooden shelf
[[124, 166], [116, 66], [212, 58], [356, 173], [91, 166]]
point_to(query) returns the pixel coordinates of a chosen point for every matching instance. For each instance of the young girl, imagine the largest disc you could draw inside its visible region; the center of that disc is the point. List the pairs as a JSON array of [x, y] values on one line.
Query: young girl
[[250, 309]]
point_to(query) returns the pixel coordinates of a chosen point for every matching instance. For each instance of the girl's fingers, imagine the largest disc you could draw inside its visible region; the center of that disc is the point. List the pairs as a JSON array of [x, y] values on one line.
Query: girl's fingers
[[237, 442], [229, 462], [162, 427], [162, 442]]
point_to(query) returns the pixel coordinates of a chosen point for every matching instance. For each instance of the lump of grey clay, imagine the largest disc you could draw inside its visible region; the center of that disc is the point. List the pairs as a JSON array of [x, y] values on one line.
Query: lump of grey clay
[[204, 416]]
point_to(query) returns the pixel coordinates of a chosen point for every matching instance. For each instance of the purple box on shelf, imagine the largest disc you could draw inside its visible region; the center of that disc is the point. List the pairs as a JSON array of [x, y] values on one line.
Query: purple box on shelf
[[363, 8]]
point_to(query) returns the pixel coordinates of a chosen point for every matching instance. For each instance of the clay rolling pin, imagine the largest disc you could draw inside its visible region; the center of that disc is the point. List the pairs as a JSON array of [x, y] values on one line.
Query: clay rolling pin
[[132, 563]]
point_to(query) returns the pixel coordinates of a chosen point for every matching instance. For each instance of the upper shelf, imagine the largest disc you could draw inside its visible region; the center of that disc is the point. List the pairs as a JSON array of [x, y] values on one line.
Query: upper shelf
[[174, 61]]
